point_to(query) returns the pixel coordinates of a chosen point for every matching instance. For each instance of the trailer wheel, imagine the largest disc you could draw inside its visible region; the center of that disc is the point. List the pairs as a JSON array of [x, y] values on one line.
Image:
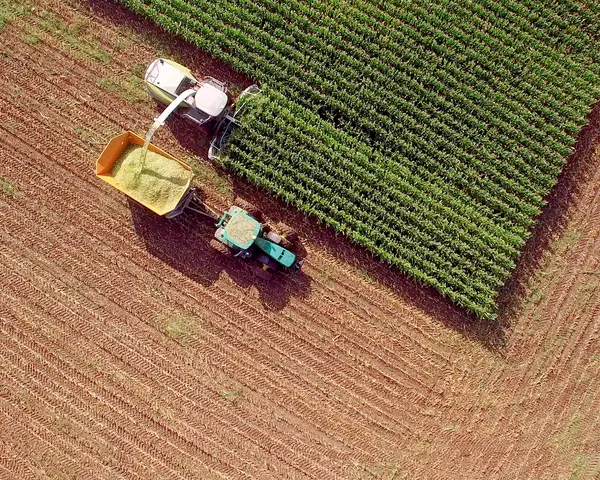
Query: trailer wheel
[[287, 232], [251, 209], [220, 247]]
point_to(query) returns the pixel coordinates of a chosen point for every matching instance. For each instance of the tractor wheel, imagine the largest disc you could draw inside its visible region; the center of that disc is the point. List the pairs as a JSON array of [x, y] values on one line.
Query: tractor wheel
[[267, 266], [252, 210], [220, 247], [265, 274], [285, 243], [287, 232]]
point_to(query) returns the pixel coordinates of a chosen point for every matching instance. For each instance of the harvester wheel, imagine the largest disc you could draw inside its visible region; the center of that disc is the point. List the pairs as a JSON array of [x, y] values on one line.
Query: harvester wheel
[[287, 232], [220, 247], [252, 210]]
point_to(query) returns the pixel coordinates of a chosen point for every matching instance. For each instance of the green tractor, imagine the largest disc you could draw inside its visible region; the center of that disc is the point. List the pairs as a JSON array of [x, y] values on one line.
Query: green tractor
[[240, 233]]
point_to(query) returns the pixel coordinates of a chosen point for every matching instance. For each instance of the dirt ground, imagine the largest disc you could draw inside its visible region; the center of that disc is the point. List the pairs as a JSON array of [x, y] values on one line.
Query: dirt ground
[[130, 349]]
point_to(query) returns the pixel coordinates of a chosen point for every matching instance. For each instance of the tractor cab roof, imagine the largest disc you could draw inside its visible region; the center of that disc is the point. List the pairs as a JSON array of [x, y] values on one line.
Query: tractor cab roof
[[169, 76], [241, 229]]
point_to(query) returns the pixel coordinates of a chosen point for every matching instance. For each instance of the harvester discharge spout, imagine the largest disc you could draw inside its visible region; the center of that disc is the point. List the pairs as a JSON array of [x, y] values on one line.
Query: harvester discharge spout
[[162, 118]]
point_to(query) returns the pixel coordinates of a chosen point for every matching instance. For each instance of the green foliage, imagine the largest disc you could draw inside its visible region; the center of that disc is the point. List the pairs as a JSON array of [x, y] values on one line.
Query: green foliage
[[231, 395], [177, 325], [130, 87], [72, 37], [9, 10], [31, 38], [7, 187], [427, 131]]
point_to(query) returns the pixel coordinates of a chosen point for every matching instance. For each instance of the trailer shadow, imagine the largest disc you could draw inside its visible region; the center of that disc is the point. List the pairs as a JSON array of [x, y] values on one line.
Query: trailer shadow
[[184, 244]]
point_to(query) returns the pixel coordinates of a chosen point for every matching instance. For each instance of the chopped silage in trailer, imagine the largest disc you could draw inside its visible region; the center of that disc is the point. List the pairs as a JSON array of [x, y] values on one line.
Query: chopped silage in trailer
[[160, 181]]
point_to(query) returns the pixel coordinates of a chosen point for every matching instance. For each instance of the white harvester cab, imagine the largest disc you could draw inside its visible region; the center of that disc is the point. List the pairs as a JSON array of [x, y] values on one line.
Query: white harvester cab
[[206, 100]]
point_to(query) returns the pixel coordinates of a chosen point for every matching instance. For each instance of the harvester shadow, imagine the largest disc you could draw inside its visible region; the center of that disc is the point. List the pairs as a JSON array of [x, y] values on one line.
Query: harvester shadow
[[192, 138], [184, 244]]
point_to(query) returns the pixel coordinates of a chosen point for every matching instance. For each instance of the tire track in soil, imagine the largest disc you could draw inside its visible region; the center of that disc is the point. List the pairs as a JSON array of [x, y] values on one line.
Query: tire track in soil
[[38, 434], [142, 441], [405, 373], [197, 404], [61, 92], [585, 257]]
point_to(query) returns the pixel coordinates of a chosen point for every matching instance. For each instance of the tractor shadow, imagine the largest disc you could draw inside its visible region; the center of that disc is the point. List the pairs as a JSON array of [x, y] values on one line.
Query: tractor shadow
[[184, 244]]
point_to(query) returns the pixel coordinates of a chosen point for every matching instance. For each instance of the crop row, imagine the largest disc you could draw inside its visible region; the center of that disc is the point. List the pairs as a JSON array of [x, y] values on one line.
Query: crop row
[[398, 212]]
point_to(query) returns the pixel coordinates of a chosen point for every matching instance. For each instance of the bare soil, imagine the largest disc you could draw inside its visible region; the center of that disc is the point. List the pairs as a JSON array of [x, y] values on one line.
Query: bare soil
[[128, 349]]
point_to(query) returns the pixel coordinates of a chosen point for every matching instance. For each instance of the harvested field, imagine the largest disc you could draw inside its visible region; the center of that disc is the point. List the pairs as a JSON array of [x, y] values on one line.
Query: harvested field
[[128, 349]]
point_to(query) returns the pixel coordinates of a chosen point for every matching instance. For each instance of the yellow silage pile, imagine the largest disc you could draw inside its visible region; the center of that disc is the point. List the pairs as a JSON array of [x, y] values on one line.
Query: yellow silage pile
[[156, 181]]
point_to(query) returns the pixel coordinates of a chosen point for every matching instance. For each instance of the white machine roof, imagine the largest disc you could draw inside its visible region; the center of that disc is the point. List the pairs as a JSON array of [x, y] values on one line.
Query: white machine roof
[[168, 77], [210, 100]]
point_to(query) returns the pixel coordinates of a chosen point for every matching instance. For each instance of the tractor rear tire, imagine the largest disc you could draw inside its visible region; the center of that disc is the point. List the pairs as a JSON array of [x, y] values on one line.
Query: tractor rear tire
[[287, 232], [285, 243], [220, 247], [251, 209]]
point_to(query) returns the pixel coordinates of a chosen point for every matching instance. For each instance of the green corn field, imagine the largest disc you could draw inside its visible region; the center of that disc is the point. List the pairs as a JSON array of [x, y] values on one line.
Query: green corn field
[[428, 131]]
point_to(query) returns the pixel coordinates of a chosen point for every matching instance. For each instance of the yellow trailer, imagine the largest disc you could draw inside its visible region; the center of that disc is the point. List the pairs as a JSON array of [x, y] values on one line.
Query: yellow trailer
[[163, 183]]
